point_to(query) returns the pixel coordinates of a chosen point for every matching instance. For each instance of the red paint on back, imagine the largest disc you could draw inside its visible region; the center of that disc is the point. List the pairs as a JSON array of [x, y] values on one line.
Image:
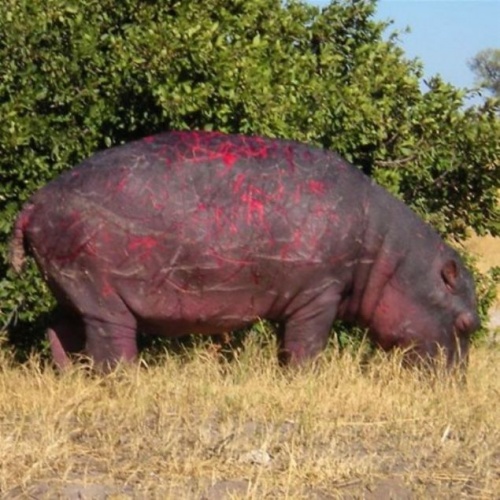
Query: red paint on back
[[316, 187], [238, 183], [201, 147], [142, 242], [229, 159], [122, 184], [106, 289], [254, 208]]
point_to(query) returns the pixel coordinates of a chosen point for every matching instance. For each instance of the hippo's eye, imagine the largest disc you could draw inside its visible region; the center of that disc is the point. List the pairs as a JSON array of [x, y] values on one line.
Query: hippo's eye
[[449, 274]]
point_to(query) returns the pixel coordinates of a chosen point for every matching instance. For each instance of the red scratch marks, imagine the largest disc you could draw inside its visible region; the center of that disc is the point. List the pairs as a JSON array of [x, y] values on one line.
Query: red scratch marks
[[334, 218], [89, 248], [254, 199], [144, 244], [222, 258], [121, 185], [202, 147], [106, 289], [157, 206], [238, 181], [289, 156], [105, 236], [297, 194], [307, 156], [324, 212], [229, 159], [339, 259], [25, 218], [295, 243], [222, 221], [279, 193], [219, 215], [75, 250], [316, 187], [296, 238], [256, 148], [256, 276]]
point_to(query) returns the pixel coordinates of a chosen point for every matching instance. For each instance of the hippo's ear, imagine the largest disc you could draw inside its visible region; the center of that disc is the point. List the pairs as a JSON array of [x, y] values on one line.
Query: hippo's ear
[[449, 273]]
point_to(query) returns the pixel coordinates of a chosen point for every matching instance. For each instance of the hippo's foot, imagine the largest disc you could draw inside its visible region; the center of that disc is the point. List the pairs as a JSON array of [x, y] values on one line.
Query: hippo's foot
[[301, 340], [66, 336], [108, 344]]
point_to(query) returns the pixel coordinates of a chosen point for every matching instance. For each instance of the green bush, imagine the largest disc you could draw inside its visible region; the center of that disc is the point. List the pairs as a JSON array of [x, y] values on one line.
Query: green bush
[[80, 76]]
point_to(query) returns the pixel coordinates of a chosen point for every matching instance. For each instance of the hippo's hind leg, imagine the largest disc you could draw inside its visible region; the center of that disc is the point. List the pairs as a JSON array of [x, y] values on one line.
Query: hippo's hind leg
[[105, 332], [104, 342], [66, 335]]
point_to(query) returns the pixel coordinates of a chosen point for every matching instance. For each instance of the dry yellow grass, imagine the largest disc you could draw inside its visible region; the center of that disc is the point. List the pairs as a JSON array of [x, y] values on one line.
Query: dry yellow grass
[[486, 249], [196, 427]]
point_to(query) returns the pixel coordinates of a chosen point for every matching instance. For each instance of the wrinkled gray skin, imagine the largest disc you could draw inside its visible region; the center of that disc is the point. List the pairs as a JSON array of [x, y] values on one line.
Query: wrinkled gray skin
[[205, 232]]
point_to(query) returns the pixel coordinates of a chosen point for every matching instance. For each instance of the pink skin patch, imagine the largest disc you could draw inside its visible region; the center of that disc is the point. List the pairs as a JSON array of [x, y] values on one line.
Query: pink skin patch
[[145, 244], [316, 187], [289, 156], [229, 159], [297, 195], [255, 209], [293, 245], [238, 183], [106, 289], [142, 242], [122, 184]]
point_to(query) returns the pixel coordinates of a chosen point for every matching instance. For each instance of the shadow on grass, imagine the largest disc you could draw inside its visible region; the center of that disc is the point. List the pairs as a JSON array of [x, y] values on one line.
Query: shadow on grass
[[23, 339]]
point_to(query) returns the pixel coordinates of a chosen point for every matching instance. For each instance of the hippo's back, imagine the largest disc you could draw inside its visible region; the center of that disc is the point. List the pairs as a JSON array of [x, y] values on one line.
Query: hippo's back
[[211, 188]]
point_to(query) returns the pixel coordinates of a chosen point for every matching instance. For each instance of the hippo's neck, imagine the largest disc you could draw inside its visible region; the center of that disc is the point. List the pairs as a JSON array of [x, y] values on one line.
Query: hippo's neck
[[382, 251]]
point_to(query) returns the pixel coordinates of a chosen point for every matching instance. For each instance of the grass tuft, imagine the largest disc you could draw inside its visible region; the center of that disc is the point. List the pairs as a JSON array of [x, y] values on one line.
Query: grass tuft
[[197, 425]]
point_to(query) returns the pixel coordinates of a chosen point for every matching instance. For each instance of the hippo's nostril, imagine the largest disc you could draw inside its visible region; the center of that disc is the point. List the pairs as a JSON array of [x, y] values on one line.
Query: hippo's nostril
[[467, 322]]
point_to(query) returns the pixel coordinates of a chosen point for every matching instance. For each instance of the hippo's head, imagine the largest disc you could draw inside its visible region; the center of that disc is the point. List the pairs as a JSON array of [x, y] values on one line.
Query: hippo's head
[[427, 305]]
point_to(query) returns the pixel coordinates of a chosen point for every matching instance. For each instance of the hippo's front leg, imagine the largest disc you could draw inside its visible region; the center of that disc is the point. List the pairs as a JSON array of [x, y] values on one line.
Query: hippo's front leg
[[107, 343], [305, 333]]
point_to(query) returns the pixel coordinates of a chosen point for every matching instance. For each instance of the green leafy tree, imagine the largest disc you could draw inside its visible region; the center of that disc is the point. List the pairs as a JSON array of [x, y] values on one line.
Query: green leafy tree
[[80, 76], [486, 66]]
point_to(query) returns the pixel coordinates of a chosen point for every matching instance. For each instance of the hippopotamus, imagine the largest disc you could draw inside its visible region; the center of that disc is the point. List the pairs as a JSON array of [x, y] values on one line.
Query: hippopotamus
[[206, 232]]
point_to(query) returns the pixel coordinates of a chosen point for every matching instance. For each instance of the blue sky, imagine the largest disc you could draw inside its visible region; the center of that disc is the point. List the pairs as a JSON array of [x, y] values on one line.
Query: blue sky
[[445, 34]]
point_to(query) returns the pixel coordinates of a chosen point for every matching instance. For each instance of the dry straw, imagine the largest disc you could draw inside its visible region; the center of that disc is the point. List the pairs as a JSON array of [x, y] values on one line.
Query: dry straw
[[196, 426]]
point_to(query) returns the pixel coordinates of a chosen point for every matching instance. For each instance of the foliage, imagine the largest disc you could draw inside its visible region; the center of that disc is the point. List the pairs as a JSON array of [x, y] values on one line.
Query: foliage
[[486, 65], [81, 76]]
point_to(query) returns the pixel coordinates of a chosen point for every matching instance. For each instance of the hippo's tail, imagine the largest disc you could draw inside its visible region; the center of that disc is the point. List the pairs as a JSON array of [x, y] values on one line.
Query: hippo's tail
[[18, 247]]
